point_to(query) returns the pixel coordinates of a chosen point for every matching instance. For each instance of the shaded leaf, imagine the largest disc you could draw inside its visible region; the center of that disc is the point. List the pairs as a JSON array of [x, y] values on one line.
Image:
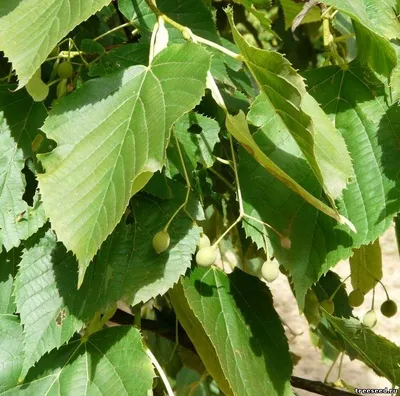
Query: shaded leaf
[[366, 266], [8, 269], [120, 58], [237, 126], [249, 343], [355, 100], [18, 221], [86, 187], [285, 102], [126, 268], [25, 48], [382, 355], [48, 322], [291, 9], [112, 361], [197, 137], [11, 351], [23, 116], [375, 24]]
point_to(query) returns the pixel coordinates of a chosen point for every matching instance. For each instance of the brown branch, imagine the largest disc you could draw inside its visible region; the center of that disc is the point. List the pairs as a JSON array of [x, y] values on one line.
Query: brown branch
[[163, 330], [317, 387]]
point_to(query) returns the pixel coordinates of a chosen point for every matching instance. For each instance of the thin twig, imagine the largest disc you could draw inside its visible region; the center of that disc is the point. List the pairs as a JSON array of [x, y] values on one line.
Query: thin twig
[[317, 387]]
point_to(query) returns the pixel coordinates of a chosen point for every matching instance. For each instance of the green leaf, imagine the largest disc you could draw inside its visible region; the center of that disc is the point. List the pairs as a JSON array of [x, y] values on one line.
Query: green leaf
[[120, 58], [369, 128], [191, 13], [39, 292], [197, 135], [375, 24], [262, 17], [86, 187], [126, 268], [23, 26], [199, 337], [382, 355], [237, 126], [250, 344], [18, 221], [291, 9], [11, 351], [285, 102], [366, 266], [111, 361], [138, 12], [8, 269], [23, 116]]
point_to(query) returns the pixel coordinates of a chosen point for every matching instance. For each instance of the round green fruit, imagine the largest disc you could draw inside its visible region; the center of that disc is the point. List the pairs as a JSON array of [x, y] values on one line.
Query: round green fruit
[[65, 70], [389, 308], [204, 241], [356, 298], [206, 256], [270, 270], [370, 319], [161, 241], [328, 305]]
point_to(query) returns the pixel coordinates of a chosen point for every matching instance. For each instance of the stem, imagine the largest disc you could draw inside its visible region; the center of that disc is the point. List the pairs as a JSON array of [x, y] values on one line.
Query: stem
[[340, 365], [218, 47], [114, 30], [265, 224], [338, 288], [379, 281], [136, 310], [222, 178], [160, 371], [373, 298], [72, 43], [195, 38], [239, 192], [188, 185], [54, 82], [215, 244], [330, 369]]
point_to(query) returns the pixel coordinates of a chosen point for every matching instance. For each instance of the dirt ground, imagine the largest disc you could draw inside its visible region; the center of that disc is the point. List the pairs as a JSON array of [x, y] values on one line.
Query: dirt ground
[[354, 372]]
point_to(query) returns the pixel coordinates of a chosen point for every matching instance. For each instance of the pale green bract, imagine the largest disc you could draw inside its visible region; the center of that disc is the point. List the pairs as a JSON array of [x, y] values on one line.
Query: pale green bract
[[30, 29], [111, 137], [366, 266], [288, 107], [370, 129]]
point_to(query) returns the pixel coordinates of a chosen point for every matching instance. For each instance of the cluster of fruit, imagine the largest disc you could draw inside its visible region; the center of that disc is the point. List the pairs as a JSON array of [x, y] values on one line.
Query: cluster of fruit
[[388, 308], [207, 254], [356, 298]]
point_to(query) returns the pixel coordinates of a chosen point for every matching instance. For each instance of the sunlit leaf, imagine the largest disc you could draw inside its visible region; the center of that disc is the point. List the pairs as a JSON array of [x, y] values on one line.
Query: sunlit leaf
[[25, 23], [128, 115]]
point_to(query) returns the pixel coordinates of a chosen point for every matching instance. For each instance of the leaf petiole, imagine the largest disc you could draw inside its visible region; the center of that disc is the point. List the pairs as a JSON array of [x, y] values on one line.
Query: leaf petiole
[[187, 32], [188, 185]]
